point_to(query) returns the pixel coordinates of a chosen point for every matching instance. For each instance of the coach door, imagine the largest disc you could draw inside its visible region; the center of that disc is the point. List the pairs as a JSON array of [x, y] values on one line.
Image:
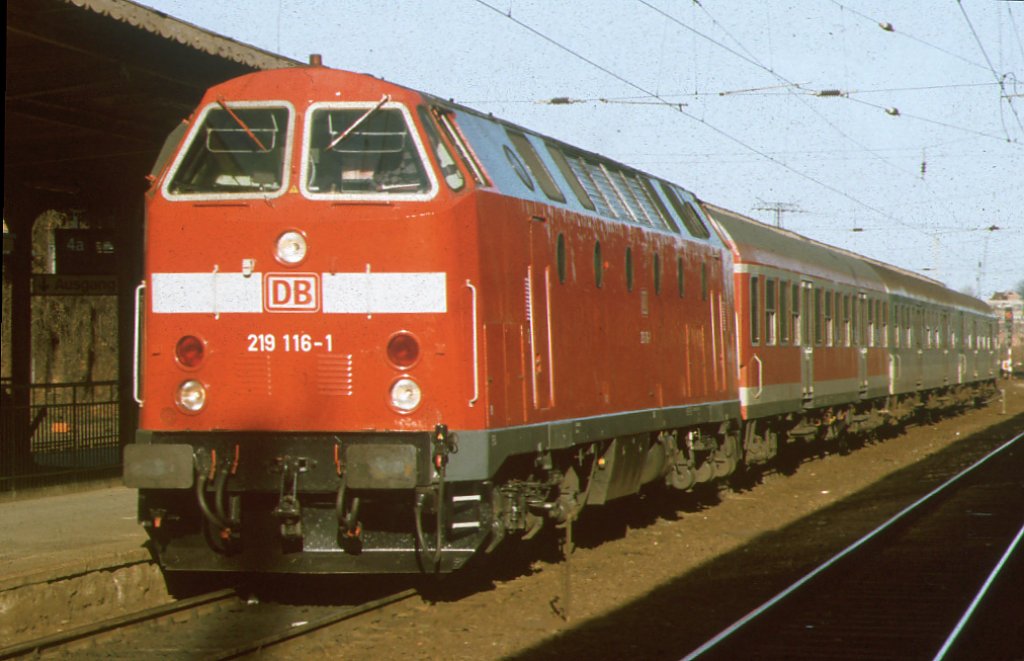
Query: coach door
[[538, 315], [866, 338], [806, 325]]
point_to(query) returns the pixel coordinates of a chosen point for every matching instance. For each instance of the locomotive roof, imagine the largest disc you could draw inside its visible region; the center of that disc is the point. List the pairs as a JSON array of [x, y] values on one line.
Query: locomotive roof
[[318, 83], [755, 242]]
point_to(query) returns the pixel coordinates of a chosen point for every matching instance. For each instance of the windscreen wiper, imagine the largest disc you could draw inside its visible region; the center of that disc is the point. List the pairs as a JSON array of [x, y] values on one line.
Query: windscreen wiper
[[241, 123], [352, 127]]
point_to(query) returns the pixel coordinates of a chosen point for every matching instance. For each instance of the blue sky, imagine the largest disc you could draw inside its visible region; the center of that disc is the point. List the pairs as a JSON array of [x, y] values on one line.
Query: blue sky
[[914, 155]]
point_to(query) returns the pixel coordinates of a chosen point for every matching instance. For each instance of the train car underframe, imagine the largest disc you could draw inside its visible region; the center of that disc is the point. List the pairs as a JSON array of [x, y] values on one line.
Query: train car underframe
[[763, 437], [382, 503]]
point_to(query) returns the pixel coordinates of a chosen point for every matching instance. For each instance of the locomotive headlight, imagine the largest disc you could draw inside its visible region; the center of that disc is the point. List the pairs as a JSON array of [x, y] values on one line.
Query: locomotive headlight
[[191, 396], [291, 248], [405, 395]]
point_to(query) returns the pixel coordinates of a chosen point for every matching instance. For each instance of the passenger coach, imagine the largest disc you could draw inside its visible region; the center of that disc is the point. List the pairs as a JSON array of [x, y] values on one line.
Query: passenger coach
[[832, 342]]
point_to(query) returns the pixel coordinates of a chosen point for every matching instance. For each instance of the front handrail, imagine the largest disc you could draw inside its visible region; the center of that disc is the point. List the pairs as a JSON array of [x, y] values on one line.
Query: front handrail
[[760, 376], [476, 349], [137, 344]]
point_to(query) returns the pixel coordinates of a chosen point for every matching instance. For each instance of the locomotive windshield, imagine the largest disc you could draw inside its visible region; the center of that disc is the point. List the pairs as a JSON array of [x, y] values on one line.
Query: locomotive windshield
[[235, 150], [364, 150]]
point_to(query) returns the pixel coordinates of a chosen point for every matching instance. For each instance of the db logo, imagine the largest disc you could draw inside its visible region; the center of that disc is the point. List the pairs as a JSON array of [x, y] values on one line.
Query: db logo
[[291, 292]]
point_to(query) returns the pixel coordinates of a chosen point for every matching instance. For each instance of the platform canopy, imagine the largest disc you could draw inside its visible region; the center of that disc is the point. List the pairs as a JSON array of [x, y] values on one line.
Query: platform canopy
[[93, 87]]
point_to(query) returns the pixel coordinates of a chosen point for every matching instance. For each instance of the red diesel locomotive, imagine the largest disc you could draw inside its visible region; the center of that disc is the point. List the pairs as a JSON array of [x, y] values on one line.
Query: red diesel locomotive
[[379, 331]]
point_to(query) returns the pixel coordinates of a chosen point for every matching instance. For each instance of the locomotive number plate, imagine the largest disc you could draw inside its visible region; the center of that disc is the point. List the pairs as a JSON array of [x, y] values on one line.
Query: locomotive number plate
[[288, 342]]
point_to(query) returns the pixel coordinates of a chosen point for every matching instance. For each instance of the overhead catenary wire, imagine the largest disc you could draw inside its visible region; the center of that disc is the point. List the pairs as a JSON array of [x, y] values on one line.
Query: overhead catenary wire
[[700, 120], [782, 78], [999, 79]]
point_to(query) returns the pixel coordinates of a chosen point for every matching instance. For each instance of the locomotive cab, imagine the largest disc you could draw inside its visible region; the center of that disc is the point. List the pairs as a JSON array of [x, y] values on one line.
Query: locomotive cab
[[303, 318]]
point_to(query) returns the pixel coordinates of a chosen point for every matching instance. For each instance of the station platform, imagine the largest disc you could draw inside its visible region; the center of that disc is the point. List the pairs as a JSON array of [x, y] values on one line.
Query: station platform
[[50, 538]]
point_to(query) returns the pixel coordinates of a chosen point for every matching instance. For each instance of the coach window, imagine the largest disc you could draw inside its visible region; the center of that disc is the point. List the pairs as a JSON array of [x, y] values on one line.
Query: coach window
[[826, 320], [755, 310], [797, 324], [784, 319], [452, 176], [819, 319], [771, 322], [598, 265], [855, 319], [629, 269], [871, 323], [845, 328], [897, 328], [884, 308], [657, 273], [880, 325], [908, 329], [238, 150], [537, 167], [918, 324]]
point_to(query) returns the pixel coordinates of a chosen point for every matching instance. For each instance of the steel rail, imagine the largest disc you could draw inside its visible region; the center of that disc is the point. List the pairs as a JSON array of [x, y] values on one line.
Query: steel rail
[[96, 628], [309, 627], [760, 610]]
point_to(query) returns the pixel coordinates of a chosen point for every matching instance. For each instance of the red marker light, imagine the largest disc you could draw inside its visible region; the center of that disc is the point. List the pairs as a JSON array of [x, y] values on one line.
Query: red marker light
[[189, 351], [403, 350]]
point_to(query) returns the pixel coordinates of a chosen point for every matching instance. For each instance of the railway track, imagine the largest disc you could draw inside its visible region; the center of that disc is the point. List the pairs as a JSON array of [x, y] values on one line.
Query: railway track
[[217, 625], [932, 582]]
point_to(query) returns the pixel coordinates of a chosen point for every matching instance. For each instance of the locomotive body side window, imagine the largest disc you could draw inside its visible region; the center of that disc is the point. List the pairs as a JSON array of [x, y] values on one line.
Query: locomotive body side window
[[451, 130], [570, 176], [645, 209], [360, 151], [667, 221], [582, 174], [601, 175], [237, 150], [694, 225], [449, 170], [537, 167], [629, 268]]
